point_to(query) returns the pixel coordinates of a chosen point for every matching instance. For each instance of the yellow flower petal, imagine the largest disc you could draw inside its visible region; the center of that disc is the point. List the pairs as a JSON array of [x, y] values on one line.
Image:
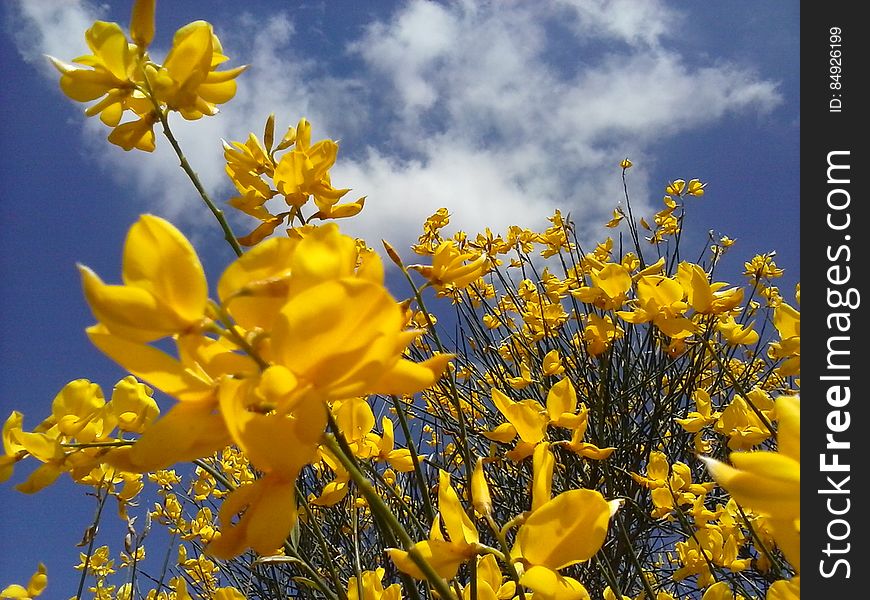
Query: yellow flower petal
[[567, 530], [152, 365], [765, 482], [186, 432], [159, 259], [142, 22], [549, 585], [562, 398]]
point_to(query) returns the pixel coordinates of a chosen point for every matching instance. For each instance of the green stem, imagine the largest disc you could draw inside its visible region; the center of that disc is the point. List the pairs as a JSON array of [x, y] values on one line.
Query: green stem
[[194, 178], [415, 458], [502, 541], [321, 540], [334, 445]]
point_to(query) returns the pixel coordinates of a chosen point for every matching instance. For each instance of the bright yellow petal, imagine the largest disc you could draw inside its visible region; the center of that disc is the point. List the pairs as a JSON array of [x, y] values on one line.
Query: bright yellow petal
[[444, 557], [341, 336], [152, 365], [142, 22], [109, 45], [549, 585], [41, 477], [186, 432], [718, 591], [785, 589], [273, 516], [562, 398], [159, 259], [274, 443], [765, 482], [254, 287], [543, 463], [788, 414], [191, 53], [567, 530], [459, 526], [407, 377], [130, 312]]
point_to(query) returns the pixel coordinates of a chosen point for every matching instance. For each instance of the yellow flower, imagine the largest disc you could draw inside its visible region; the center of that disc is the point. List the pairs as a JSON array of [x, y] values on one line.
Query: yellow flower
[[695, 187], [599, 333], [787, 321], [35, 586], [278, 444], [115, 67], [609, 287], [311, 337], [702, 416], [449, 267], [660, 300], [355, 421], [188, 81], [564, 531], [132, 406], [582, 448], [491, 584], [615, 219], [13, 450], [768, 483], [480, 496], [399, 459], [705, 297], [122, 77], [551, 364], [164, 290], [742, 424], [372, 588], [445, 555], [77, 411], [304, 171], [720, 591], [785, 589], [736, 333]]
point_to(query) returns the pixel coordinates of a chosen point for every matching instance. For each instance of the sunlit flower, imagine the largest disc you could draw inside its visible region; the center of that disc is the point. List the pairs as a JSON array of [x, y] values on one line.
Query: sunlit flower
[[452, 267], [35, 586], [164, 290], [188, 81], [445, 552], [768, 483], [564, 531], [372, 588]]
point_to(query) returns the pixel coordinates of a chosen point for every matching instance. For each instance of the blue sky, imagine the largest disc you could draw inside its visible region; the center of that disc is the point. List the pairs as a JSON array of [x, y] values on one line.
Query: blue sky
[[499, 111]]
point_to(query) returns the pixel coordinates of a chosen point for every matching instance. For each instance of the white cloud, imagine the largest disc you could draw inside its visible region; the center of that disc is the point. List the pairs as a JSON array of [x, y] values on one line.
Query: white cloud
[[50, 27], [635, 23], [500, 112]]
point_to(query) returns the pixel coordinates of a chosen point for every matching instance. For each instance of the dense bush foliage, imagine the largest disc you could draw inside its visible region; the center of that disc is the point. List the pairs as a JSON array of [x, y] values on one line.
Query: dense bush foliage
[[524, 418]]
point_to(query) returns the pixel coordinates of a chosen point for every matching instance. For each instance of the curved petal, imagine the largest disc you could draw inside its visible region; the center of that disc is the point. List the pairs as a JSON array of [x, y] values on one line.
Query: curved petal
[[408, 377], [151, 365], [159, 259], [187, 431], [765, 482], [130, 312], [562, 398], [549, 585], [567, 530]]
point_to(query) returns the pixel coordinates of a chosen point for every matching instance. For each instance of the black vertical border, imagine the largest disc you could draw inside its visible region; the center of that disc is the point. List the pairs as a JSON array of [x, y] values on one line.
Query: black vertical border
[[834, 508]]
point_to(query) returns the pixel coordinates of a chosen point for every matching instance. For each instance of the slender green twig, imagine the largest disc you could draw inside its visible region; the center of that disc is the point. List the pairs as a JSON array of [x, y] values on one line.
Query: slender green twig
[[377, 505]]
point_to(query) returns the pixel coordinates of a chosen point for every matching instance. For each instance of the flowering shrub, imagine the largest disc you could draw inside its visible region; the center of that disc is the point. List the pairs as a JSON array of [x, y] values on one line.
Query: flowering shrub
[[609, 423]]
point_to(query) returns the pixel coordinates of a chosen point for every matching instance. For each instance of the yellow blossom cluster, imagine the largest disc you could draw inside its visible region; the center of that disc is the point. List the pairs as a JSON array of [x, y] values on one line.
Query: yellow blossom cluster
[[121, 76], [612, 423]]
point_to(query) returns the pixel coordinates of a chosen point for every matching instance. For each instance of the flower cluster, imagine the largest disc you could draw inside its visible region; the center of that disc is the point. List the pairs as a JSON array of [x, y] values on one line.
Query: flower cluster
[[123, 79], [614, 423]]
